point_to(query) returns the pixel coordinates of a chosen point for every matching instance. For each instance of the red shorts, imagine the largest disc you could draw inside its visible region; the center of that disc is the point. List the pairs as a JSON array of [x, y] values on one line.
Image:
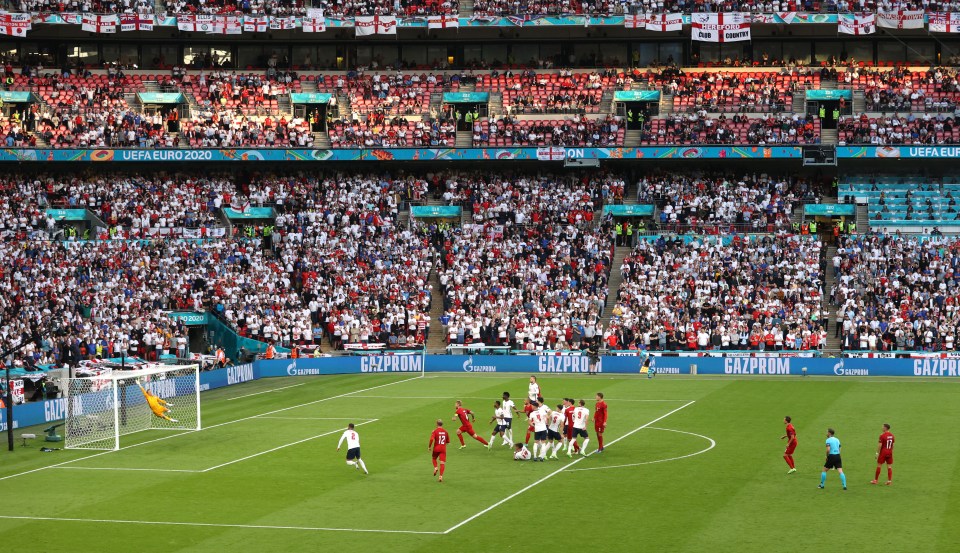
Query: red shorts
[[568, 432], [598, 428], [440, 454], [791, 447], [467, 429], [885, 457]]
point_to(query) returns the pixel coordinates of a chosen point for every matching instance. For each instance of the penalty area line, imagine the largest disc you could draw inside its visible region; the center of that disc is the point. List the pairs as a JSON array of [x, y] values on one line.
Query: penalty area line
[[126, 468], [283, 446], [561, 469], [215, 525], [266, 391]]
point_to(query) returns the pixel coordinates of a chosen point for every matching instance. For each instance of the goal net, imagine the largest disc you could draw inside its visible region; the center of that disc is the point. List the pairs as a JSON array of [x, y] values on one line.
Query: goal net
[[102, 408]]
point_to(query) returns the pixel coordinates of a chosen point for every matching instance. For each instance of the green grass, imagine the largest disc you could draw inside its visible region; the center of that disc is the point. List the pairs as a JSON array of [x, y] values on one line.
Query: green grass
[[734, 497]]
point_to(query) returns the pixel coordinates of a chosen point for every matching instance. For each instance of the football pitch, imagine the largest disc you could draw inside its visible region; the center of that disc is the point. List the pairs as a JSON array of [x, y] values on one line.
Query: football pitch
[[692, 464]]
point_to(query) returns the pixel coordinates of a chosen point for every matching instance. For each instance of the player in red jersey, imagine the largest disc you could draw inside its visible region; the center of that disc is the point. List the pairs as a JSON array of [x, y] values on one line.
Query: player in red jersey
[[600, 420], [438, 446], [568, 408], [466, 417], [527, 409], [885, 454], [791, 437]]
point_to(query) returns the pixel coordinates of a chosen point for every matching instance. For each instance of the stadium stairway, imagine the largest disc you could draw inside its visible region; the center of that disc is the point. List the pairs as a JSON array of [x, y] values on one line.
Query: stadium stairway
[[283, 105], [321, 140], [466, 8], [666, 104], [828, 137], [799, 102], [606, 102], [859, 102], [631, 139], [828, 309], [619, 254], [495, 106], [464, 139], [863, 218], [437, 342], [308, 85]]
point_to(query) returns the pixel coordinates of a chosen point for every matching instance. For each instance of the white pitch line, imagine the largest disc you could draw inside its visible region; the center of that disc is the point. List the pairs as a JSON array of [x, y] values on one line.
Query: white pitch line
[[318, 418], [266, 391], [282, 447], [31, 471], [217, 525], [712, 445], [491, 397], [126, 468], [559, 470]]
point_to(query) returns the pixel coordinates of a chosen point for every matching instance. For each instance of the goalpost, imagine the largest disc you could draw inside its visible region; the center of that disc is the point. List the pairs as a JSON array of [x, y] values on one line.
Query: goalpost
[[102, 408]]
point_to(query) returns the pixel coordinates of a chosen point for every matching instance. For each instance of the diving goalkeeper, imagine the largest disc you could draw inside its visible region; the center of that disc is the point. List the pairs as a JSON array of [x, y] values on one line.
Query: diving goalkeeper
[[159, 407]]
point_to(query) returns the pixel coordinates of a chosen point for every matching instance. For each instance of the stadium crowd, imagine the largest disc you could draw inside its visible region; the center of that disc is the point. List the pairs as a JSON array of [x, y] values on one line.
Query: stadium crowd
[[375, 130], [699, 128], [574, 131], [760, 293], [718, 201], [899, 129], [896, 293]]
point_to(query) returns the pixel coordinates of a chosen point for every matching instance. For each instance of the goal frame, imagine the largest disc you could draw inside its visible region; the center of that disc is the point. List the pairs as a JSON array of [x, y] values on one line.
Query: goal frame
[[118, 378]]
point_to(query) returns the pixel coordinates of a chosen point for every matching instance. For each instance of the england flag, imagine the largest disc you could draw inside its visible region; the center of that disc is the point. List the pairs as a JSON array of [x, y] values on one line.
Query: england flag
[[314, 25], [943, 22], [857, 24], [136, 22], [375, 25], [256, 24], [900, 19], [635, 21], [443, 22], [102, 24], [15, 24], [719, 27], [665, 22]]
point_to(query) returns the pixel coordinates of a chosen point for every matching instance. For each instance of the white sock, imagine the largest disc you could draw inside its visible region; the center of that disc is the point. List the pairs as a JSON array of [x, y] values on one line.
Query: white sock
[[556, 448], [543, 450], [570, 447], [363, 466], [508, 437], [352, 463], [492, 440], [583, 448]]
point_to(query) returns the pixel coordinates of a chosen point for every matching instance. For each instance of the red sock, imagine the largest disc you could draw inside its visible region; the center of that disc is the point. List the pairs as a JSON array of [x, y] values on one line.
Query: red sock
[[792, 464], [481, 440], [877, 476], [889, 473], [442, 466], [434, 463], [527, 439], [600, 441], [576, 446], [459, 435]]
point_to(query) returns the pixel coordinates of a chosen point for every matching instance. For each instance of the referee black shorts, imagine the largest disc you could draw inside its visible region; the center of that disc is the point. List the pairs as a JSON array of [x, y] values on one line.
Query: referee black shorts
[[833, 462]]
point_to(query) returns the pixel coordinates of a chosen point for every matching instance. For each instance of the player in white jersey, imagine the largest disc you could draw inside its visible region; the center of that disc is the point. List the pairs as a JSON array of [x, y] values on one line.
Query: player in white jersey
[[533, 389], [580, 417], [353, 448], [509, 408], [521, 453], [500, 421], [538, 420], [555, 430]]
